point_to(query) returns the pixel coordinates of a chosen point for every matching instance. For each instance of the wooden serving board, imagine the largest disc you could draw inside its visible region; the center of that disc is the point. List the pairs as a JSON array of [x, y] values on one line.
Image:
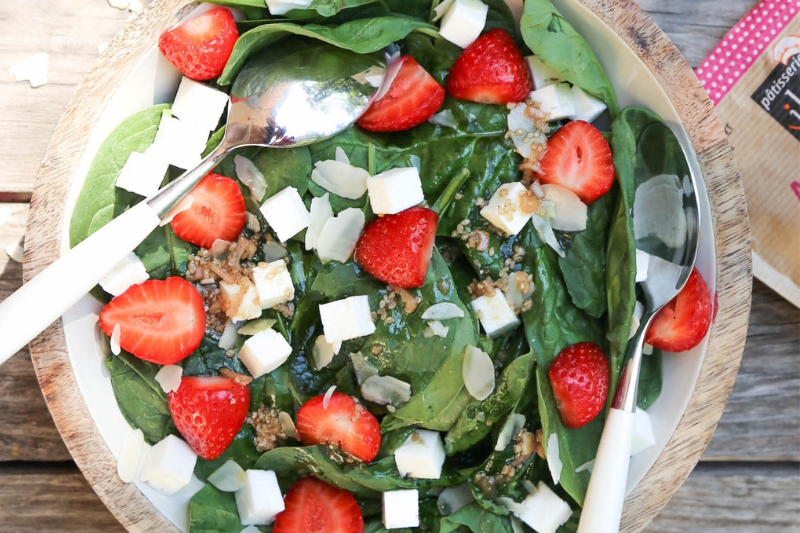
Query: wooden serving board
[[730, 225]]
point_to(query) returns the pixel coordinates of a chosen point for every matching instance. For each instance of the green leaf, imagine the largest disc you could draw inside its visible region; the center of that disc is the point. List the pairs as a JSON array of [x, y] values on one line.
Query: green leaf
[[651, 380], [559, 46], [214, 511], [209, 358], [328, 8], [281, 168], [100, 200], [476, 519], [140, 398], [242, 450], [165, 254], [362, 36]]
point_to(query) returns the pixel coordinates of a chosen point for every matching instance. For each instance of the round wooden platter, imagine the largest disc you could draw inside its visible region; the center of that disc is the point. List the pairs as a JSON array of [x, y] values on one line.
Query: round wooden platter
[[730, 225]]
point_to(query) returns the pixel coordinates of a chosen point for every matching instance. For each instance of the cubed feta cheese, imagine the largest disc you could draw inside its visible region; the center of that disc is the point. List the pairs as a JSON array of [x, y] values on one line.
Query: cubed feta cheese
[[541, 74], [346, 319], [342, 179], [495, 314], [569, 213], [543, 510], [642, 437], [169, 465], [555, 100], [273, 283], [178, 143], [286, 213], [264, 352], [587, 107], [510, 207], [280, 7], [198, 104], [464, 22], [401, 509], [421, 456], [128, 272], [259, 500], [323, 352], [142, 174], [229, 477], [240, 307], [130, 455], [395, 190], [340, 234]]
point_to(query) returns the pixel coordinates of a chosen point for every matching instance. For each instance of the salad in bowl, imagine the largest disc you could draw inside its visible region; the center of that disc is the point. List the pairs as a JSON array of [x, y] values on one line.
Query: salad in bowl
[[417, 323]]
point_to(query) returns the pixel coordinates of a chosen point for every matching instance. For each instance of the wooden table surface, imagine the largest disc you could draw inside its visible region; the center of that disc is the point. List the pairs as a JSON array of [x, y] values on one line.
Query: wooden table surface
[[747, 482]]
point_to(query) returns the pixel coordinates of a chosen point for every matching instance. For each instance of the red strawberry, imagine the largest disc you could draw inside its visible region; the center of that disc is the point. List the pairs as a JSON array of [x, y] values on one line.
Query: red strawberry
[[579, 158], [160, 321], [209, 411], [397, 249], [579, 377], [313, 506], [217, 212], [684, 321], [201, 46], [491, 71], [413, 97], [345, 423]]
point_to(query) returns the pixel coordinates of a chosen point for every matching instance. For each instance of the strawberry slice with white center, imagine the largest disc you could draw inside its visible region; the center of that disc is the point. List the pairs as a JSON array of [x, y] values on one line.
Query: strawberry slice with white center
[[684, 321], [313, 506], [343, 423], [412, 98], [217, 211], [160, 321]]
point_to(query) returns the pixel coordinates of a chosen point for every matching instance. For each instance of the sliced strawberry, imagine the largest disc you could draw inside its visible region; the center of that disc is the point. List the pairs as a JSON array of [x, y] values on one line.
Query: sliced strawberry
[[160, 321], [579, 377], [217, 212], [491, 71], [579, 158], [344, 423], [313, 506], [209, 411], [684, 321], [412, 98], [397, 249], [201, 46]]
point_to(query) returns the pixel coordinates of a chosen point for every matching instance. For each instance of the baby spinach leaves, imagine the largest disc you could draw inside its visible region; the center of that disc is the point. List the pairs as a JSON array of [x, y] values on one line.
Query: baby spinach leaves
[[213, 511]]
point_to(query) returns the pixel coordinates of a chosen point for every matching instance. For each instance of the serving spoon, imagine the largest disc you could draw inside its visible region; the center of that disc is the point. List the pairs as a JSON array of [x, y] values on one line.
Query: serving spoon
[[291, 95], [666, 227]]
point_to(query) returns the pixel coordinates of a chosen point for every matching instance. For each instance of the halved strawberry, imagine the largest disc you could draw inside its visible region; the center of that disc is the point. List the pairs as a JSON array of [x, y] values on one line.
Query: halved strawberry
[[160, 321], [412, 98], [684, 321], [491, 71], [217, 212], [209, 411], [344, 423], [397, 249], [200, 47], [579, 158], [313, 506], [579, 377]]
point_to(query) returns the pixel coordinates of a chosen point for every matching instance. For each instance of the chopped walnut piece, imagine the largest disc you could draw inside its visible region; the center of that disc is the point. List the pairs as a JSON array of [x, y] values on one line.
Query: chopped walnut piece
[[239, 379], [409, 302]]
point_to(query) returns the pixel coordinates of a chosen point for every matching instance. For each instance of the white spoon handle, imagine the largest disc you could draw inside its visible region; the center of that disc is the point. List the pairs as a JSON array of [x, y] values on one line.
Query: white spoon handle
[[38, 303], [602, 509]]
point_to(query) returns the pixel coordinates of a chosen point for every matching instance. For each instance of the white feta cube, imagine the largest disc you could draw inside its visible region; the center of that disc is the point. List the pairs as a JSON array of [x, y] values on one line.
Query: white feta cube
[[198, 104], [642, 437], [169, 465], [464, 22], [178, 143], [340, 234], [541, 74], [280, 7], [555, 100], [421, 456], [239, 307], [569, 213], [286, 213], [264, 352], [510, 207], [401, 509], [495, 314], [273, 283], [587, 107], [142, 174], [323, 352], [128, 272], [346, 319], [130, 455], [543, 510], [260, 500], [229, 477], [395, 190]]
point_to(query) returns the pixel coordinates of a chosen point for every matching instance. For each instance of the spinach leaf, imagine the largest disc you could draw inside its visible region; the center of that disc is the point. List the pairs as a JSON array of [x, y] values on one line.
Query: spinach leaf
[[242, 450], [327, 8], [559, 46], [584, 266], [476, 519], [281, 168], [209, 358], [362, 36], [165, 254], [140, 398], [214, 511], [100, 200], [651, 379]]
